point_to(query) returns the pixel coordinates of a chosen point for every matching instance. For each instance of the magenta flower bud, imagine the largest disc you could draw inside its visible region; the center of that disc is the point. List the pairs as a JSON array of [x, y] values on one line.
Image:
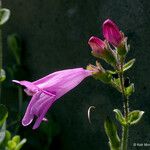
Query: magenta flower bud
[[97, 45], [100, 50], [48, 90], [111, 33]]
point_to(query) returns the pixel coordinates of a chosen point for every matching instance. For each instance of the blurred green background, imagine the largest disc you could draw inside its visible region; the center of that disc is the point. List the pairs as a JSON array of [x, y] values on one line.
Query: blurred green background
[[54, 35]]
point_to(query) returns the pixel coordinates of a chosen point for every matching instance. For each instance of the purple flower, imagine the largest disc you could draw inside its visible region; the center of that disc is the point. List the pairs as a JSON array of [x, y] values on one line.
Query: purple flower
[[111, 33], [97, 45], [47, 90]]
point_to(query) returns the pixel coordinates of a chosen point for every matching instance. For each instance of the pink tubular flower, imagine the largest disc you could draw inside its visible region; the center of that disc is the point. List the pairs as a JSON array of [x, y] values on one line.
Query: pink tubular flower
[[111, 33], [47, 90], [97, 45]]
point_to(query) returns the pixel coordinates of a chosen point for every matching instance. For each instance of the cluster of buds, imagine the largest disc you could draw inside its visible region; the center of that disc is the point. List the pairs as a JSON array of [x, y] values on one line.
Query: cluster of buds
[[112, 50], [113, 36]]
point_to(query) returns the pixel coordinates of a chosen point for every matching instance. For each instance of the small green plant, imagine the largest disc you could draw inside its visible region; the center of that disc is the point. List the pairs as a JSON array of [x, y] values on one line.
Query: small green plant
[[8, 141]]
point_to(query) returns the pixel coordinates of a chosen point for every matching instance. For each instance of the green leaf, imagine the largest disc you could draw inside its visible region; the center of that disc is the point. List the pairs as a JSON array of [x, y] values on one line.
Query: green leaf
[[135, 116], [16, 139], [5, 141], [111, 131], [129, 90], [19, 146], [4, 15], [11, 145], [8, 135], [128, 65], [3, 114], [2, 132], [119, 117], [2, 75], [14, 44], [111, 72], [116, 83]]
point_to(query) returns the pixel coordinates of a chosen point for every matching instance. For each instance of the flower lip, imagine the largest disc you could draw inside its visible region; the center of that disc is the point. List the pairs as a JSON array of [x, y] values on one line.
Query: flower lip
[[26, 122]]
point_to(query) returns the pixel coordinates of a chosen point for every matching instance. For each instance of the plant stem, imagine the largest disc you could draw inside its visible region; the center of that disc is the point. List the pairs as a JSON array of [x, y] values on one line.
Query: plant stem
[[124, 142], [20, 97], [1, 54]]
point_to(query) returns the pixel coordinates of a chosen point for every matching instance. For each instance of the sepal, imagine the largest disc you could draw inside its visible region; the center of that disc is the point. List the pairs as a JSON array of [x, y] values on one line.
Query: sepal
[[99, 73], [104, 77], [122, 48]]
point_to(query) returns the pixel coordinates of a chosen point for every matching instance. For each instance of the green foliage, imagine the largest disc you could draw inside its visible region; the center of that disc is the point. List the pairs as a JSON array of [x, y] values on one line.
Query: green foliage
[[16, 139], [20, 144], [111, 72], [2, 75], [2, 132], [14, 45], [6, 141], [3, 114], [111, 131], [104, 77], [129, 90], [128, 65], [135, 116], [122, 50], [15, 69], [120, 117], [4, 15], [107, 56], [15, 143], [116, 83]]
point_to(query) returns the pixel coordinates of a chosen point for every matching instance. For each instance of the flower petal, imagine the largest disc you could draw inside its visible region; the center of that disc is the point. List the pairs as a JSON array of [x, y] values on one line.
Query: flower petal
[[65, 81], [111, 32], [31, 88], [39, 104], [28, 117], [97, 45], [62, 77], [41, 107], [58, 76]]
